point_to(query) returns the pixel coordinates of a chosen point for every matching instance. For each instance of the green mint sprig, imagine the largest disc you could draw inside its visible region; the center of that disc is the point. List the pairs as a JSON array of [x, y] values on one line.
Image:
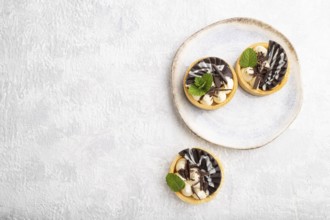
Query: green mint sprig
[[174, 182], [201, 85], [248, 58]]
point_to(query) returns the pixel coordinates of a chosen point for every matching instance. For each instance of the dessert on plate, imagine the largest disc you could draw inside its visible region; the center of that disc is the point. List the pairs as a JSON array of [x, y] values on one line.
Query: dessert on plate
[[263, 68], [210, 83], [195, 176]]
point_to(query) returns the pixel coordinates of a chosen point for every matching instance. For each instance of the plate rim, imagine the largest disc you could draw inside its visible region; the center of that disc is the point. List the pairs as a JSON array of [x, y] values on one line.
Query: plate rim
[[246, 20]]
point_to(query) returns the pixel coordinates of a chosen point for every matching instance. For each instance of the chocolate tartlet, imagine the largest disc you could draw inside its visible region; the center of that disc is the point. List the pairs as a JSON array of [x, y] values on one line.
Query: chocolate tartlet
[[268, 74], [202, 173], [210, 83]]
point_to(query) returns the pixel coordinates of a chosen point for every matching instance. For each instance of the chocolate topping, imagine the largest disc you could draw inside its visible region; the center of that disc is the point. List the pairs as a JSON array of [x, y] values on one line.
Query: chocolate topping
[[219, 73], [208, 168], [217, 81], [183, 173], [216, 66], [257, 81], [260, 70], [268, 78], [187, 170], [214, 90]]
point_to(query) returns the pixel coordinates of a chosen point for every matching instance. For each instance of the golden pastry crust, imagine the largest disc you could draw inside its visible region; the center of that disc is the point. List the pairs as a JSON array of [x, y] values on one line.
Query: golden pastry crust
[[214, 105], [192, 200], [258, 92]]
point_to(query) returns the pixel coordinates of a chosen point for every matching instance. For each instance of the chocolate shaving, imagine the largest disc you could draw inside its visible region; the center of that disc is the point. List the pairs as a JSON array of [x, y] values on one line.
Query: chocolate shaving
[[217, 81], [257, 82], [203, 185], [214, 90], [183, 173], [195, 184], [193, 166], [260, 71], [261, 57], [194, 192], [220, 73], [187, 170]]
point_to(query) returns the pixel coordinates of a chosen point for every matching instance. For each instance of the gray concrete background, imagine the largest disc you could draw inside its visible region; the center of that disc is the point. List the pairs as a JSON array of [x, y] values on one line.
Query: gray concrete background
[[88, 127]]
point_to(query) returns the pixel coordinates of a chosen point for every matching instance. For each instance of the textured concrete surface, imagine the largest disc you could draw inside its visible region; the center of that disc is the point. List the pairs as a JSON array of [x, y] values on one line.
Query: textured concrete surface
[[88, 128]]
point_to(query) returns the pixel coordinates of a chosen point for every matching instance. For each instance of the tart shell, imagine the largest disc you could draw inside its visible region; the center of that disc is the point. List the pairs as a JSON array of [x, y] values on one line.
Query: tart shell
[[214, 105], [258, 92], [192, 200]]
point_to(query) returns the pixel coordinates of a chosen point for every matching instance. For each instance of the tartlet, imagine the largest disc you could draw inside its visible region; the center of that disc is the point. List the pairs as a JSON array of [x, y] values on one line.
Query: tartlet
[[201, 171], [271, 72], [223, 87]]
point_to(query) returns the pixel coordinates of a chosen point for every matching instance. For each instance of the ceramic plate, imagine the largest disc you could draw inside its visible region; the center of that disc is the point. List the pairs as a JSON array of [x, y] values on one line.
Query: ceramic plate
[[246, 121]]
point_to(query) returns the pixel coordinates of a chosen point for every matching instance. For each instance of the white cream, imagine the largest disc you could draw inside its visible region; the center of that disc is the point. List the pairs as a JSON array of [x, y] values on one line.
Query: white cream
[[230, 83], [207, 100], [199, 194], [220, 96], [181, 164], [187, 191], [251, 82], [247, 73], [261, 49]]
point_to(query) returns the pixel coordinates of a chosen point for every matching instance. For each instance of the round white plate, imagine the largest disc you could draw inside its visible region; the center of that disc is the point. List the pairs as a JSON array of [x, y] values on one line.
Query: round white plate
[[246, 121]]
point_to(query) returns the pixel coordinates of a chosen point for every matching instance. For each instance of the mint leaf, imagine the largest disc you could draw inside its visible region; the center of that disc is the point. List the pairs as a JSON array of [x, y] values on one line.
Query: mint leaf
[[208, 78], [174, 182], [199, 81], [248, 58], [201, 85], [195, 91]]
